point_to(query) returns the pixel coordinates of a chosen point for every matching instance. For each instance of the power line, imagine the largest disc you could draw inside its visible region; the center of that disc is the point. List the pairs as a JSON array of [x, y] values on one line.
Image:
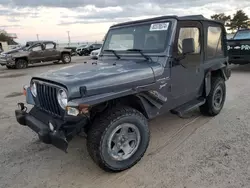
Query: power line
[[37, 36]]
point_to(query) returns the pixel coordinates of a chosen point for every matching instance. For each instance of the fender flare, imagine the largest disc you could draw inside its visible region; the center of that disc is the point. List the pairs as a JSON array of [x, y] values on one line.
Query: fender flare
[[222, 70]]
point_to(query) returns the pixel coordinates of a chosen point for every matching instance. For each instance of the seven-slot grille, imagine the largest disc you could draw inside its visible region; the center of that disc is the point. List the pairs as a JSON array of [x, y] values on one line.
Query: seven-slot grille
[[47, 96]]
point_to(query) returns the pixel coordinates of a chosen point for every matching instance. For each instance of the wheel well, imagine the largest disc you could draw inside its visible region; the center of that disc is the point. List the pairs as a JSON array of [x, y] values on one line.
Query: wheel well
[[24, 58], [209, 79], [130, 100], [217, 73], [65, 53], [134, 102]]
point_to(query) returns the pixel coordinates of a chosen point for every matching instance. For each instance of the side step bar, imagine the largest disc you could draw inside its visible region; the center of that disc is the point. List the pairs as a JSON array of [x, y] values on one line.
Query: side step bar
[[187, 107]]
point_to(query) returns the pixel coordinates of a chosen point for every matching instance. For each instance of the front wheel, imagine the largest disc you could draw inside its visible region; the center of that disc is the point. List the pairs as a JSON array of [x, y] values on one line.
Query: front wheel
[[21, 64], [216, 98], [66, 58], [118, 139]]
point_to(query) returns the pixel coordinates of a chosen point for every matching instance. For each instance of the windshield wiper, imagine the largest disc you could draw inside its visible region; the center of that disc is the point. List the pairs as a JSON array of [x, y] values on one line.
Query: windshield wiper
[[140, 51], [114, 52]]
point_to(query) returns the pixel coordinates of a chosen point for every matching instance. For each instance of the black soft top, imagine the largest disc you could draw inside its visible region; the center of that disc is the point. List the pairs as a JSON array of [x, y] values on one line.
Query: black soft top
[[186, 18]]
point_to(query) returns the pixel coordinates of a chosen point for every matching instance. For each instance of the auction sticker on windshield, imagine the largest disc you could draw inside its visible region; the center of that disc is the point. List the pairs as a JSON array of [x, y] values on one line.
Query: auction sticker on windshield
[[159, 26]]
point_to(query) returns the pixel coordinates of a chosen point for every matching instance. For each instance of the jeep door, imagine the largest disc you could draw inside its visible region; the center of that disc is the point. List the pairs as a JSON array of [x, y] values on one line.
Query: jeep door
[[36, 53], [187, 75], [50, 52]]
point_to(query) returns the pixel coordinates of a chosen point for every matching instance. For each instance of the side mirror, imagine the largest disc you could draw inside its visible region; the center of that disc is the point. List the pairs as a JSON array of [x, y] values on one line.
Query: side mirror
[[188, 46]]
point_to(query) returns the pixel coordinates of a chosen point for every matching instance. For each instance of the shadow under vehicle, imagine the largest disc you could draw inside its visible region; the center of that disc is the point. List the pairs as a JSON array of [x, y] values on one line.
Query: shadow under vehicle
[[86, 50], [166, 63]]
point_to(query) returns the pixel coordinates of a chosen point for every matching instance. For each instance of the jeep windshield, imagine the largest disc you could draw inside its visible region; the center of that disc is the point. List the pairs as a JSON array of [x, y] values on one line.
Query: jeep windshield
[[148, 38], [244, 34]]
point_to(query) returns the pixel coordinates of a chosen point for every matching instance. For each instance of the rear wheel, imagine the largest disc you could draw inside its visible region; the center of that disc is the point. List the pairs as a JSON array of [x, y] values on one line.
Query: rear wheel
[[66, 58], [118, 139], [216, 98], [21, 64]]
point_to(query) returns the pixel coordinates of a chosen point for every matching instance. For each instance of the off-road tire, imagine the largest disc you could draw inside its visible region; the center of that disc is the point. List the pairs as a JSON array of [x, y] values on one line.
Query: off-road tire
[[64, 56], [21, 64], [102, 128], [208, 108]]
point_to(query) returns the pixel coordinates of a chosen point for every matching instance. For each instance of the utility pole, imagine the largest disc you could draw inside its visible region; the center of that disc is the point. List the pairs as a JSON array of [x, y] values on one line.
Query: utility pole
[[68, 38], [37, 36]]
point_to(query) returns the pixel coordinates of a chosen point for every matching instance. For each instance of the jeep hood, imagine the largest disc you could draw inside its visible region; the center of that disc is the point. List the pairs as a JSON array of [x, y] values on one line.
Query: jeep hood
[[102, 77]]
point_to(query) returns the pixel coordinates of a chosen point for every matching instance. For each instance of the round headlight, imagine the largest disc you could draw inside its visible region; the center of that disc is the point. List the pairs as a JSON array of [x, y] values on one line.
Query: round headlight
[[33, 89], [62, 98]]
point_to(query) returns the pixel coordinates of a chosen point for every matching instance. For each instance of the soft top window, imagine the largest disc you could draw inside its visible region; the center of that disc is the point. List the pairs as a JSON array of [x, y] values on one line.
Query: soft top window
[[244, 34], [214, 42]]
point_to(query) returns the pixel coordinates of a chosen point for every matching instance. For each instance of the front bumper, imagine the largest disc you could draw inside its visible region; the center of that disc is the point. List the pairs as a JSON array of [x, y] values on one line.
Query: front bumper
[[239, 59], [56, 136], [4, 62]]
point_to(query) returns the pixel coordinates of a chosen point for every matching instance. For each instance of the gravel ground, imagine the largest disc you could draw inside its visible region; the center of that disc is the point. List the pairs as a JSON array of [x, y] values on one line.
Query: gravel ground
[[195, 152]]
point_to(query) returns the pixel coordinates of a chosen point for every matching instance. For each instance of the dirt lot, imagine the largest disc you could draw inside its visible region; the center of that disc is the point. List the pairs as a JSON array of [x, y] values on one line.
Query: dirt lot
[[194, 152]]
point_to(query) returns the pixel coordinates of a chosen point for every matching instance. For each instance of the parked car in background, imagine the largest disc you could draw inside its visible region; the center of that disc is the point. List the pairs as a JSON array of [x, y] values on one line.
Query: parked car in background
[[239, 47], [79, 48], [95, 54], [88, 49], [35, 52]]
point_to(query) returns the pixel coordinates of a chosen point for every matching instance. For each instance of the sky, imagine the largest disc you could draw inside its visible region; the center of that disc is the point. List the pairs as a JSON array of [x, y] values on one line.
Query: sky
[[89, 20]]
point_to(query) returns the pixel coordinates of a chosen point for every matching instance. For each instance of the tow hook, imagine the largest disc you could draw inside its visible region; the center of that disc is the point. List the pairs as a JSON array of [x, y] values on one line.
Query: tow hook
[[22, 107]]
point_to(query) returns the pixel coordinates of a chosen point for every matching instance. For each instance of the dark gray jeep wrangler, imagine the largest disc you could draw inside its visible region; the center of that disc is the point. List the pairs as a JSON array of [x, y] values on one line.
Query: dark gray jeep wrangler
[[146, 68]]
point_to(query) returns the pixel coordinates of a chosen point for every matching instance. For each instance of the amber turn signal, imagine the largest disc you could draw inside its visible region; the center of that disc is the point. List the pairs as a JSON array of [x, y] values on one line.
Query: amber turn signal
[[24, 92], [25, 87], [83, 108]]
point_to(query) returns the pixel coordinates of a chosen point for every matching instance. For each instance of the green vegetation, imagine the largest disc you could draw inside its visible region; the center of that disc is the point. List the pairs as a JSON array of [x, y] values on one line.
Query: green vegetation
[[5, 38], [239, 20]]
